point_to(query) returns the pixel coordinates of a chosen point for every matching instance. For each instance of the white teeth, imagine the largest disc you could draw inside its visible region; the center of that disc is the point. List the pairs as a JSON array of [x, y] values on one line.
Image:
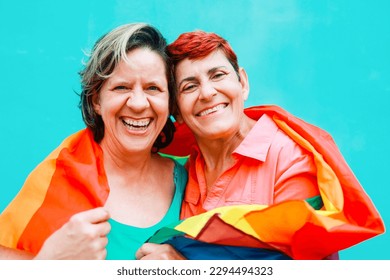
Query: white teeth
[[212, 110], [136, 124]]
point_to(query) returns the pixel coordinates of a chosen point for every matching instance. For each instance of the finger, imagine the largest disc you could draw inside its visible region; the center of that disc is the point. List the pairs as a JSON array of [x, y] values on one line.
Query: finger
[[145, 249], [98, 215], [102, 255], [148, 257], [100, 244], [94, 216], [102, 229], [140, 253], [104, 241]]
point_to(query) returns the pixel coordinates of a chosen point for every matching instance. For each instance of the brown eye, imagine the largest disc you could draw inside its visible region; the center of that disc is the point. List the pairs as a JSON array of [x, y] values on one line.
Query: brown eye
[[218, 75], [189, 88]]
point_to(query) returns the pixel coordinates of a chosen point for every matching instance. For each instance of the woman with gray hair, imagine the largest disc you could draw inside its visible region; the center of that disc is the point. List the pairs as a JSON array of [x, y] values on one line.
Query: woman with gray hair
[[105, 190]]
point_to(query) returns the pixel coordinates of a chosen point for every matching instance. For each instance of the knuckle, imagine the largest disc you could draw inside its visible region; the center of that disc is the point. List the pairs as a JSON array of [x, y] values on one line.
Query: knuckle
[[107, 228], [90, 234], [75, 219]]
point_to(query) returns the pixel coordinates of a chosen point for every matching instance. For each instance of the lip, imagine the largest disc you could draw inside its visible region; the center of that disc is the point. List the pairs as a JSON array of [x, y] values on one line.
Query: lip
[[210, 110]]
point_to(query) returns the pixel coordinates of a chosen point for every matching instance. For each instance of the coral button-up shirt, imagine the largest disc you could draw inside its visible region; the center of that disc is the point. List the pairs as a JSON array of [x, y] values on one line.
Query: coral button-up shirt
[[269, 168]]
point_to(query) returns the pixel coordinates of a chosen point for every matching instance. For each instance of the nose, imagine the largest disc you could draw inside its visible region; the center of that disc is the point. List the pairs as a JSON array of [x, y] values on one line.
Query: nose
[[207, 91], [138, 100]]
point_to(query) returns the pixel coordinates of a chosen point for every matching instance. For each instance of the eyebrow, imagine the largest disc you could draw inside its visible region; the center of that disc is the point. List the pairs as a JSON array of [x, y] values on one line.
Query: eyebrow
[[188, 79], [210, 71], [122, 80]]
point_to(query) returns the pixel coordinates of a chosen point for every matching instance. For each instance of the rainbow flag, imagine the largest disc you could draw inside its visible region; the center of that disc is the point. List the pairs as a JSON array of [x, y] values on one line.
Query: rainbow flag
[[71, 179], [294, 228]]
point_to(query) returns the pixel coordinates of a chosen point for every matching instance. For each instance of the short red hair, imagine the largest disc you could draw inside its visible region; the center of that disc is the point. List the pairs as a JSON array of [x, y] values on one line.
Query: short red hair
[[198, 44]]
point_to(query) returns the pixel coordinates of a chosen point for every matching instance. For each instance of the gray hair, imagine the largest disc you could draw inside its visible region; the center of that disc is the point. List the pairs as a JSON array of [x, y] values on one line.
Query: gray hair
[[106, 54]]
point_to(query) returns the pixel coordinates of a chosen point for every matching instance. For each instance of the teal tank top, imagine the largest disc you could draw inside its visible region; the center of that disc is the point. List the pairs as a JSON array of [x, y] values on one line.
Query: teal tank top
[[124, 240]]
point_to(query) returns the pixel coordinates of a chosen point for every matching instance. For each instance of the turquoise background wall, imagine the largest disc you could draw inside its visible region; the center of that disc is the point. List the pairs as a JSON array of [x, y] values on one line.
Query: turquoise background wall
[[326, 61]]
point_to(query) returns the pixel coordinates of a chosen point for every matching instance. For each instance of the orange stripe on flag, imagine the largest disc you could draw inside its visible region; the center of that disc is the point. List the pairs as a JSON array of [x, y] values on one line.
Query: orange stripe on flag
[[13, 220]]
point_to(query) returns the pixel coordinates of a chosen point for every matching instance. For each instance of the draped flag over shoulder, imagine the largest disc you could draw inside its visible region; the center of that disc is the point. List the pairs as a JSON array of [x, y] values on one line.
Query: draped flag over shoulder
[[294, 228], [70, 180]]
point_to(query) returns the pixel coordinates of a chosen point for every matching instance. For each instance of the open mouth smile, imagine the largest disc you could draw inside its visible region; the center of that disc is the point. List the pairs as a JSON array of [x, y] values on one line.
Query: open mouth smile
[[136, 125], [211, 110]]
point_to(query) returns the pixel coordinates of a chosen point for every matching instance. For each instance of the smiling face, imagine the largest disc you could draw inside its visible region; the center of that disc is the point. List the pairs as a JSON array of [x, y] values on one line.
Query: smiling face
[[134, 102], [211, 96]]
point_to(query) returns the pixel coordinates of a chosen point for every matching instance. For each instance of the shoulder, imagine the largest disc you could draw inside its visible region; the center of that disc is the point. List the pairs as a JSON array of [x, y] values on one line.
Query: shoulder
[[267, 132], [281, 143]]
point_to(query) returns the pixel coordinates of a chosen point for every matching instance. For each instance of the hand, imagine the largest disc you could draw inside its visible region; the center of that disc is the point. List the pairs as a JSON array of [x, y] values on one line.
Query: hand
[[151, 251], [82, 237]]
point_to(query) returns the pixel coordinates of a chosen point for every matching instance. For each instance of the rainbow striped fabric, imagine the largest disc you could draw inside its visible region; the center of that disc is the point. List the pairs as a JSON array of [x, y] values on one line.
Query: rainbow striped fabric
[[72, 179], [293, 227]]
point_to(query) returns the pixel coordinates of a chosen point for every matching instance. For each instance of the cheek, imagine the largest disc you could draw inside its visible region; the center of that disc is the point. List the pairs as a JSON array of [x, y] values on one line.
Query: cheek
[[110, 107], [161, 106], [184, 103], [238, 97]]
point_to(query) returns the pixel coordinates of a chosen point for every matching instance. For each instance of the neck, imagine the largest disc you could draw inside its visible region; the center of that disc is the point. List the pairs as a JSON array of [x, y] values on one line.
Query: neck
[[217, 153], [127, 165]]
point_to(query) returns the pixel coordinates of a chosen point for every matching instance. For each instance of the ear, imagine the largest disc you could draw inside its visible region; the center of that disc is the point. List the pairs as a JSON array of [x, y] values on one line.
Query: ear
[[96, 103], [244, 83]]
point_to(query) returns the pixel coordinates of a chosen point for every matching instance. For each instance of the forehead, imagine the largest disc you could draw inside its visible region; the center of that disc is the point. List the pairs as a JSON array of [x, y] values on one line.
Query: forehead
[[144, 58], [141, 62], [192, 66]]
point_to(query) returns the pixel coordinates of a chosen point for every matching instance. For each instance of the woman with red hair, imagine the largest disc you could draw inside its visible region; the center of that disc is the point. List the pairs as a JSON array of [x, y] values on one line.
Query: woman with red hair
[[260, 156]]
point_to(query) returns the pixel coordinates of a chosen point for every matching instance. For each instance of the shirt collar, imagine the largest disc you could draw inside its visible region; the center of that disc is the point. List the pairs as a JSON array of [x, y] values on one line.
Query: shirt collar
[[255, 145], [258, 141]]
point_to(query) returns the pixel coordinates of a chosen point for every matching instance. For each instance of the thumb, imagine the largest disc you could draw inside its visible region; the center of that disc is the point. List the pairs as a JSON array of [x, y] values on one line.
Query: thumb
[[146, 249], [94, 216]]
